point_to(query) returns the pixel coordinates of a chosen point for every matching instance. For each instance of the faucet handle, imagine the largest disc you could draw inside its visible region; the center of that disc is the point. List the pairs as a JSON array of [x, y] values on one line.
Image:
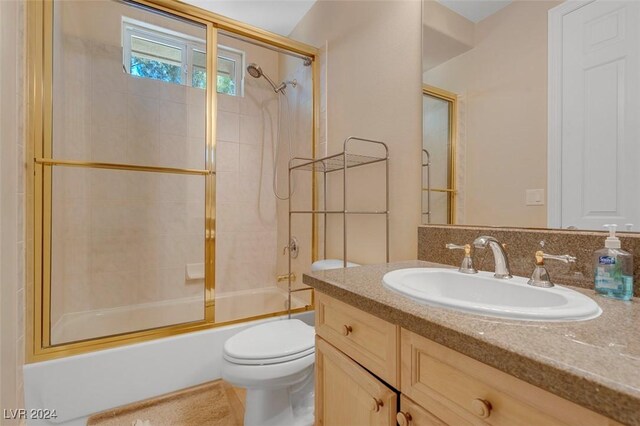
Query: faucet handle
[[541, 256], [467, 263], [540, 276], [465, 247]]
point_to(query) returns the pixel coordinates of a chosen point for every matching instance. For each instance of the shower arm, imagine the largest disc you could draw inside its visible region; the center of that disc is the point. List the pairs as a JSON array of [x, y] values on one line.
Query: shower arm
[[275, 88]]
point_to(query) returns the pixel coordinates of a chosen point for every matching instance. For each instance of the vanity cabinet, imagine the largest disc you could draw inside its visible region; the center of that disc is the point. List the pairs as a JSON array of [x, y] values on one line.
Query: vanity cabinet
[[364, 361]]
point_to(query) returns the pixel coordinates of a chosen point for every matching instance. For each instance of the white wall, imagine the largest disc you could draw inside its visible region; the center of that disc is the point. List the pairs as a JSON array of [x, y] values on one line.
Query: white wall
[[11, 206], [373, 90]]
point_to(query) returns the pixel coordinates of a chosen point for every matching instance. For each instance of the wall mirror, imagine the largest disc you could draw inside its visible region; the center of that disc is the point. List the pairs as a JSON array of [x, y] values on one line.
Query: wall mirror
[[530, 113]]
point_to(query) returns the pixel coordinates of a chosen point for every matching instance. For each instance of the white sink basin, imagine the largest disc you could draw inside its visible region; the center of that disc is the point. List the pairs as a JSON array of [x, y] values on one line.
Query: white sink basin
[[483, 294]]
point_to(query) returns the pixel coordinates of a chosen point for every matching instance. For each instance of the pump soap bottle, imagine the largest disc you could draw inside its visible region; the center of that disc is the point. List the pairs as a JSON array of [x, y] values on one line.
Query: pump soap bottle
[[613, 269]]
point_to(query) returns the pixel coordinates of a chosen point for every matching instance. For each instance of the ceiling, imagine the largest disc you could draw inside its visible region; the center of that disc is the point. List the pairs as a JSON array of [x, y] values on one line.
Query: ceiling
[[475, 10], [281, 16], [277, 16]]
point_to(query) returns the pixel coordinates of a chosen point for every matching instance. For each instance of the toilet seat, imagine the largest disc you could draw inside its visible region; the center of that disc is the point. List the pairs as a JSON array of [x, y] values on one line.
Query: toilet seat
[[269, 361], [271, 343]]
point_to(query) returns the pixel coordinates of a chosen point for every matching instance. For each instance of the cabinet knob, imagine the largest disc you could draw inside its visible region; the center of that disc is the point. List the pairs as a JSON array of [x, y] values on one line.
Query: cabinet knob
[[403, 418], [346, 330], [481, 408], [376, 404]]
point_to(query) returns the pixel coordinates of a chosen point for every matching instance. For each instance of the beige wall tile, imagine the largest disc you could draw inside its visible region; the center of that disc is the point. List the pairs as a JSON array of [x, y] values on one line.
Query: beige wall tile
[[196, 119], [172, 118], [141, 113], [253, 130], [227, 156], [228, 127], [229, 103]]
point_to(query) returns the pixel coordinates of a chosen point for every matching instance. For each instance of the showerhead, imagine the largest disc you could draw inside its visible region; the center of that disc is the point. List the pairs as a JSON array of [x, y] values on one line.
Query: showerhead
[[254, 70]]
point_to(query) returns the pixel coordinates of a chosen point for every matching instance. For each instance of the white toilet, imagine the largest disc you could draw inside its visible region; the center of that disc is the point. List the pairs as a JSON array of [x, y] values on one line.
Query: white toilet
[[274, 362]]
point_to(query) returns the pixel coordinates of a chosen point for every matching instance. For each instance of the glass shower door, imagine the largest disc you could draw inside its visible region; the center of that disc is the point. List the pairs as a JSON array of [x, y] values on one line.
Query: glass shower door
[[127, 174]]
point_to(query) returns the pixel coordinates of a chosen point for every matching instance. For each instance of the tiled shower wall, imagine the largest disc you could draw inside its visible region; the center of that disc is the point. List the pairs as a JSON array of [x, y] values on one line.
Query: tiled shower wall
[[246, 222]]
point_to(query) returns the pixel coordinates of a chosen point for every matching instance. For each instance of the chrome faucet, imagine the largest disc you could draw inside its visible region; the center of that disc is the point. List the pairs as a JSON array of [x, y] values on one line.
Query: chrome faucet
[[499, 255]]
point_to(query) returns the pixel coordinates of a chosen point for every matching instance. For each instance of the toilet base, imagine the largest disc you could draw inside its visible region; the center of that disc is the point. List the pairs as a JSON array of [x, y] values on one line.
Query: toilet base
[[292, 406], [273, 408]]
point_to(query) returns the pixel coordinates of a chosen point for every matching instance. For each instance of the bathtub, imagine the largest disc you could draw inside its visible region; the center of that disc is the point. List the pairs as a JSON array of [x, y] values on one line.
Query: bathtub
[[229, 306], [79, 386]]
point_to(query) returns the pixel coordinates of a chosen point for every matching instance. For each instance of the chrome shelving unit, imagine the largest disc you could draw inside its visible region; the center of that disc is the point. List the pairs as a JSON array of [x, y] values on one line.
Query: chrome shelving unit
[[343, 161], [451, 192]]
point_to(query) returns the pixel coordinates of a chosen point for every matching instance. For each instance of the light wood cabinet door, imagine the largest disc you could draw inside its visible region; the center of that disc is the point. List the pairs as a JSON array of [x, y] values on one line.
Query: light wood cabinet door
[[411, 414], [347, 394]]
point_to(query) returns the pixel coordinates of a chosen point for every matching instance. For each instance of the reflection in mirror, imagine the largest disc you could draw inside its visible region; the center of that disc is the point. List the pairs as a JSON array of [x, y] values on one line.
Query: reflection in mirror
[[438, 168], [547, 95]]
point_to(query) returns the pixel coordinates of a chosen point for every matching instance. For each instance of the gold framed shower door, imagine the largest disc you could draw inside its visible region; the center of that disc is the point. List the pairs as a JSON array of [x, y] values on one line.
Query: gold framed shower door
[[451, 190], [40, 164]]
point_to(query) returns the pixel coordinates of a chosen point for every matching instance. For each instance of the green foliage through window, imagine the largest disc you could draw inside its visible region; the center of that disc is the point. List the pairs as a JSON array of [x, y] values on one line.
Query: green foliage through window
[[157, 70], [199, 78], [226, 85]]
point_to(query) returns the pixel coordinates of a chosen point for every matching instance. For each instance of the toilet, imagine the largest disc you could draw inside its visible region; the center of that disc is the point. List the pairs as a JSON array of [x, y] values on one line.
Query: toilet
[[274, 361]]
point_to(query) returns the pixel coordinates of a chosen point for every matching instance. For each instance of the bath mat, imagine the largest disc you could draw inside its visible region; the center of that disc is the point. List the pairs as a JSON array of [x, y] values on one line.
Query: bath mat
[[214, 403]]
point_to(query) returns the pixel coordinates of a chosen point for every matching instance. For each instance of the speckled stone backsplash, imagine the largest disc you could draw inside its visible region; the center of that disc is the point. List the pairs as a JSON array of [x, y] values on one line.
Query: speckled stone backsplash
[[521, 245]]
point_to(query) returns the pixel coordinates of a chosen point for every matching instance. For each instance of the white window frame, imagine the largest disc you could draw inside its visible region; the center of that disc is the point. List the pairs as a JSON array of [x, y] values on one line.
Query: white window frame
[[238, 57], [186, 43]]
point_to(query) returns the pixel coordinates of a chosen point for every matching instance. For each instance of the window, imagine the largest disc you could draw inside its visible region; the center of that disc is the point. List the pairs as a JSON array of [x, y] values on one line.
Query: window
[[154, 52], [230, 66]]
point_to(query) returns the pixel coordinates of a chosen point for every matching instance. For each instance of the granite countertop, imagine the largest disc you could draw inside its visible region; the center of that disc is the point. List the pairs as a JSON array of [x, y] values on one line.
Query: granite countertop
[[593, 363]]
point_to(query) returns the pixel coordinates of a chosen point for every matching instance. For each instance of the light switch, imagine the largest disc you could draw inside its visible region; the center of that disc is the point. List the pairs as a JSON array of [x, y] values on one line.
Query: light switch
[[535, 197]]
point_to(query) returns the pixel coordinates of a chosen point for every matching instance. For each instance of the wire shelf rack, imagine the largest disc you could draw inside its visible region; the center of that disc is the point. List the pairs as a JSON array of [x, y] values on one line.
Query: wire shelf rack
[[344, 161], [336, 162]]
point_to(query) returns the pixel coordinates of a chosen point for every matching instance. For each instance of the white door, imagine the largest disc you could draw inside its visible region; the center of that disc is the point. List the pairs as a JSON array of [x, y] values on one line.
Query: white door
[[600, 115]]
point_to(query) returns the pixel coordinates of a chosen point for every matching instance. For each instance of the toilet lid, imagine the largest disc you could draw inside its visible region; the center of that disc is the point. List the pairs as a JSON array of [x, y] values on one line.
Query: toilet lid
[[271, 342]]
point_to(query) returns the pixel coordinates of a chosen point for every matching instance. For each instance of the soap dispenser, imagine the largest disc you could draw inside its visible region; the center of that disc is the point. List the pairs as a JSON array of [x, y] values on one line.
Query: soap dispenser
[[613, 269]]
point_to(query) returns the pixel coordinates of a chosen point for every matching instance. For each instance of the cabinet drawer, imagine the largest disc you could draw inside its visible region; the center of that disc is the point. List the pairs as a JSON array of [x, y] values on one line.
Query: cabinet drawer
[[411, 414], [371, 341], [346, 393], [460, 390]]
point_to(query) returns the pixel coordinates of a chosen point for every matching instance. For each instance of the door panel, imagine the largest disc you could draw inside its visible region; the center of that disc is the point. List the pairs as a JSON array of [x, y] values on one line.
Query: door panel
[[600, 106]]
